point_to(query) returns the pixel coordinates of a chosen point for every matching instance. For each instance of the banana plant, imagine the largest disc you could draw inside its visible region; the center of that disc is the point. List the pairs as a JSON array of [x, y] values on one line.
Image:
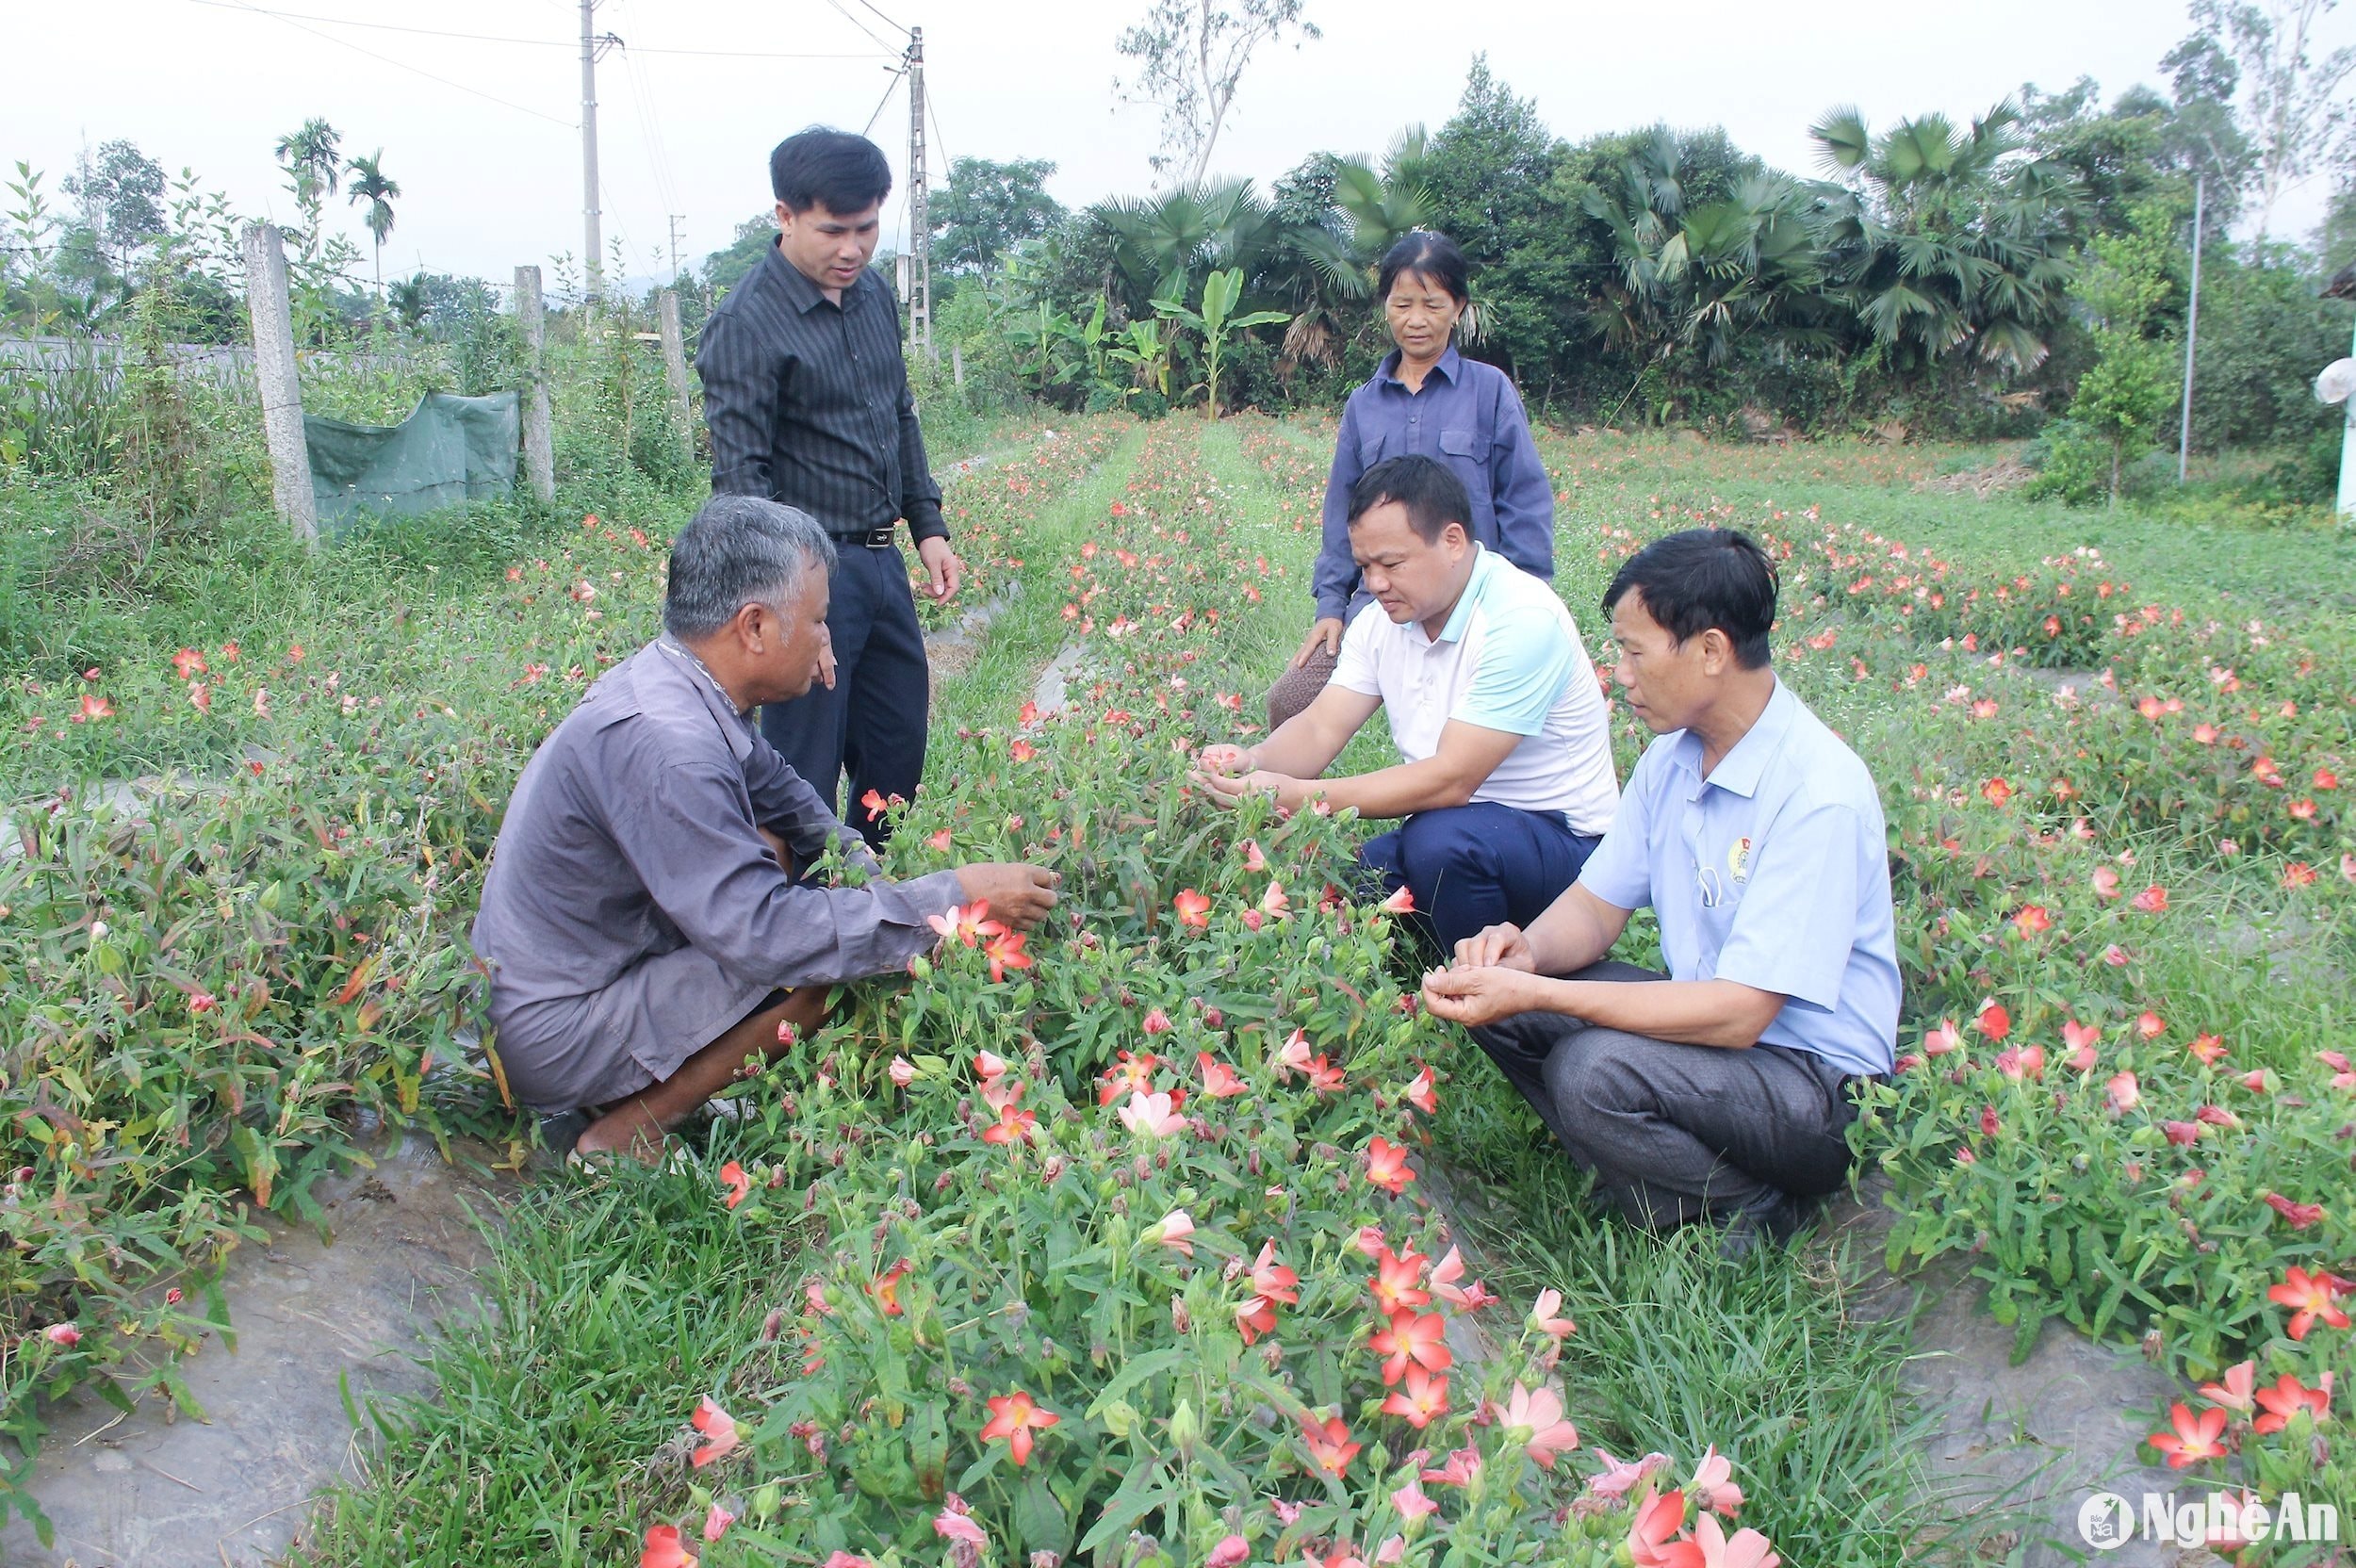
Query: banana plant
[[1216, 322], [1142, 346]]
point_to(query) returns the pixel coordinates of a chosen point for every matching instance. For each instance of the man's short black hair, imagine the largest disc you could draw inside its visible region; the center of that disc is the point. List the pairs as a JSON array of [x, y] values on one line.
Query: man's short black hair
[[1705, 578], [1432, 496], [822, 167]]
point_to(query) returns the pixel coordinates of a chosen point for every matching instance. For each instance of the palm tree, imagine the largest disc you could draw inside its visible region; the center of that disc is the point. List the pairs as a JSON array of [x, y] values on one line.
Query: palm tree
[[311, 155], [1943, 240], [369, 185]]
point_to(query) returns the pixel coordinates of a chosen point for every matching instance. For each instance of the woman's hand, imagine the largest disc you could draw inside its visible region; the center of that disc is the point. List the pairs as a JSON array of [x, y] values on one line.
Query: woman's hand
[[1327, 634]]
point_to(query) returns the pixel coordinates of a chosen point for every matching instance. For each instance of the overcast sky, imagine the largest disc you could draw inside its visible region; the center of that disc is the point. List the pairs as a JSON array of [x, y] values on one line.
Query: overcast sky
[[211, 84]]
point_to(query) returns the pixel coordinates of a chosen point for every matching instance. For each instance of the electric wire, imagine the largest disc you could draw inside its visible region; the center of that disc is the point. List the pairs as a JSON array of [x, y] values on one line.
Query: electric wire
[[388, 59], [857, 23], [889, 88], [531, 42]]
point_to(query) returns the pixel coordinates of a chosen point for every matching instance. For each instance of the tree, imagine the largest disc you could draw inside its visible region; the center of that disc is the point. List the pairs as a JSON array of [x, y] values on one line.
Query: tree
[[2290, 110], [988, 209], [312, 157], [1944, 238], [1190, 55], [120, 189], [2133, 384], [1491, 173], [369, 185], [1215, 322]]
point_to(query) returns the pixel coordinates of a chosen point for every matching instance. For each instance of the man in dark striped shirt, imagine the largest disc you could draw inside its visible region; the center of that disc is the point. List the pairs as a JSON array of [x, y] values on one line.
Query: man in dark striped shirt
[[806, 396]]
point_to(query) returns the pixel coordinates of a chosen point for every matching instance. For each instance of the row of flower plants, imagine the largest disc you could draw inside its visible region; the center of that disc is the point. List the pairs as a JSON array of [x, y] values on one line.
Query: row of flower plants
[[1116, 1249], [2125, 892], [235, 879]]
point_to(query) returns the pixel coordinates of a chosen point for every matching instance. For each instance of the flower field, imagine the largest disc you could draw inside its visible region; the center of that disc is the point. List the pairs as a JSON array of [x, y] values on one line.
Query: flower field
[[1114, 1241]]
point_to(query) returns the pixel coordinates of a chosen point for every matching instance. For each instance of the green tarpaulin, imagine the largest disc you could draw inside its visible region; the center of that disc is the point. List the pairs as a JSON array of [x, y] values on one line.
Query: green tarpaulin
[[448, 451]]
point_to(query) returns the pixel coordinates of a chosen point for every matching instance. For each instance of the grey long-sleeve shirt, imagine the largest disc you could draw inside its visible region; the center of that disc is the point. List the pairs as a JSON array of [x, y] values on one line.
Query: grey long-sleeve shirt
[[633, 832]]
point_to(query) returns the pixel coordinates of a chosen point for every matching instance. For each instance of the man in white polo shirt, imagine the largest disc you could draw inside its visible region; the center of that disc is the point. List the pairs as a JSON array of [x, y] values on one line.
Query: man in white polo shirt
[[1505, 773], [1723, 1090]]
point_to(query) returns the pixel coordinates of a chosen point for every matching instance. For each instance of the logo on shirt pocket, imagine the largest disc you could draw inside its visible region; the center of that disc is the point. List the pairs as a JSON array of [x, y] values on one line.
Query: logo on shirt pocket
[[1739, 860]]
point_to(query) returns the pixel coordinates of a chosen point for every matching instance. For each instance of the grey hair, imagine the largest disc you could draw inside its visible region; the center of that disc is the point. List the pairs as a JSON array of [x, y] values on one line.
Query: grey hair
[[739, 550]]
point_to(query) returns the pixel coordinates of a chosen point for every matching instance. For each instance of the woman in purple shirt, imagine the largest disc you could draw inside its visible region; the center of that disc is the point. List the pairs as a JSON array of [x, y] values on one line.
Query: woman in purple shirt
[[1425, 397]]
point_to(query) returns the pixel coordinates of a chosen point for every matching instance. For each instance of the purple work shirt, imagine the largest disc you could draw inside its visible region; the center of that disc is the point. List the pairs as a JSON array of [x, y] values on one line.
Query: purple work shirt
[[1468, 416], [632, 835]]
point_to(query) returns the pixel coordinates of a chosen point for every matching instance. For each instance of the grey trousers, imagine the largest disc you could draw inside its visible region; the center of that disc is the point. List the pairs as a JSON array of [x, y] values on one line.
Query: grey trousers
[[1678, 1133]]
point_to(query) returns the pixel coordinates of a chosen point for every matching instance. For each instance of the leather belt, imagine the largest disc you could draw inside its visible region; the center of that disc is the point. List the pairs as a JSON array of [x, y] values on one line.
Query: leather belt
[[872, 538]]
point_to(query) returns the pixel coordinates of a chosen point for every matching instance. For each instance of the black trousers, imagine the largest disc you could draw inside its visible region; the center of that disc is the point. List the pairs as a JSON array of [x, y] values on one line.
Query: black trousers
[[1678, 1133], [872, 723]]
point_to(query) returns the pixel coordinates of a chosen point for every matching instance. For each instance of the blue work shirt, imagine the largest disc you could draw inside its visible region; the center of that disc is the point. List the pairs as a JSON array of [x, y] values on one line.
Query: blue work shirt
[[1468, 416], [1773, 871]]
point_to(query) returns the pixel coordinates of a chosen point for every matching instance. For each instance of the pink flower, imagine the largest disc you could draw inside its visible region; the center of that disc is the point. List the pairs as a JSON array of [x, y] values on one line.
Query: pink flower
[[1220, 1080], [64, 1335], [2152, 901], [1421, 1094], [1539, 1413], [736, 1184], [1747, 1550], [1942, 1040], [716, 1522], [1656, 1523], [1273, 903], [1152, 1115], [2105, 882], [1617, 1479], [664, 1549], [1400, 903], [1386, 1166], [951, 1524], [1712, 1485], [2235, 1393], [1194, 910], [1412, 1503], [1176, 1232], [1252, 860], [1157, 1022], [1294, 1056], [719, 1429], [2081, 1039], [2123, 1092], [1229, 1552], [1542, 1319], [903, 1072], [1462, 1466], [988, 1065]]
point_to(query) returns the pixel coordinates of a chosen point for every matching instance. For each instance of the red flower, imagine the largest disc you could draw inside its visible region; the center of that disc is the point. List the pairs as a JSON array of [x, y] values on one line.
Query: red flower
[[738, 1184], [1012, 1126], [1220, 1080], [1387, 1165], [1272, 1280], [2032, 921], [1157, 1022], [93, 708], [1423, 1400], [664, 1550], [1014, 1417], [1400, 903], [2300, 1215], [1993, 1021], [2310, 1295], [1005, 952], [1409, 1338], [2287, 1397], [1996, 792], [1194, 910], [887, 1288], [719, 1429], [64, 1335], [2152, 901], [2209, 1047], [1420, 1093], [2105, 882], [1022, 751], [939, 841], [1397, 1280], [189, 663], [1329, 1443], [2193, 1439], [2150, 1025]]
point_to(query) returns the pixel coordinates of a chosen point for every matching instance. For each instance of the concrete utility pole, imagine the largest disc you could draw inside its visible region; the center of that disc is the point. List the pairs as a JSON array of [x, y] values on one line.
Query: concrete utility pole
[[280, 384], [677, 219], [539, 442], [920, 226], [592, 48], [675, 359], [2192, 326]]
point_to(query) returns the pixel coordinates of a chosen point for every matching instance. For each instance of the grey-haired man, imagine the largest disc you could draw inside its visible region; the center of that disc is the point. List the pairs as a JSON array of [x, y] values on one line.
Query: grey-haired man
[[643, 923]]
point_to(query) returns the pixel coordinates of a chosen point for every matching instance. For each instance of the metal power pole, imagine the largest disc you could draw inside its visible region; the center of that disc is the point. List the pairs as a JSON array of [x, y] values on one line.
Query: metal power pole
[[2192, 326], [920, 226], [677, 219], [592, 46]]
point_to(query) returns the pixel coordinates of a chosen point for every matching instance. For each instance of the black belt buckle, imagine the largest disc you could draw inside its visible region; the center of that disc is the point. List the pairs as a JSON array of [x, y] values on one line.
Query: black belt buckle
[[874, 538]]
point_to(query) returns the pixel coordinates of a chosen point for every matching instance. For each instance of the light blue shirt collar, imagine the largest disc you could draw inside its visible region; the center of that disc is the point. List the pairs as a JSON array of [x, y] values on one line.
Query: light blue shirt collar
[[1742, 766]]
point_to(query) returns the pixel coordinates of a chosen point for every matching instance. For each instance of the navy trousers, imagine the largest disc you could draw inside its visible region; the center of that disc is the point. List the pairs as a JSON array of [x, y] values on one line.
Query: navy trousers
[[1479, 865], [872, 723]]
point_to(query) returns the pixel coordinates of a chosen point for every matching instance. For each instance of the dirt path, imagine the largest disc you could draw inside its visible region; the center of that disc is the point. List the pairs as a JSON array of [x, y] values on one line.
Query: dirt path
[[311, 1319]]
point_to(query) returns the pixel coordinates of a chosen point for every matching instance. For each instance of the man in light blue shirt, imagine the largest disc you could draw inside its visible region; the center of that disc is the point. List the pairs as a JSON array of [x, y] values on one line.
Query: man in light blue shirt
[[1721, 1090]]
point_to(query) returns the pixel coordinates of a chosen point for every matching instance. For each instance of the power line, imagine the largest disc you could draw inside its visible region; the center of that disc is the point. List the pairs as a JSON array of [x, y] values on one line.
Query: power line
[[857, 23], [885, 20], [388, 59], [496, 38], [889, 87]]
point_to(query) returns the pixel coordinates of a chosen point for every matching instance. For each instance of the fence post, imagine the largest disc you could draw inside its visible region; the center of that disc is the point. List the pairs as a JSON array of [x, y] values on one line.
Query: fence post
[[539, 450], [675, 363], [957, 364], [280, 384]]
